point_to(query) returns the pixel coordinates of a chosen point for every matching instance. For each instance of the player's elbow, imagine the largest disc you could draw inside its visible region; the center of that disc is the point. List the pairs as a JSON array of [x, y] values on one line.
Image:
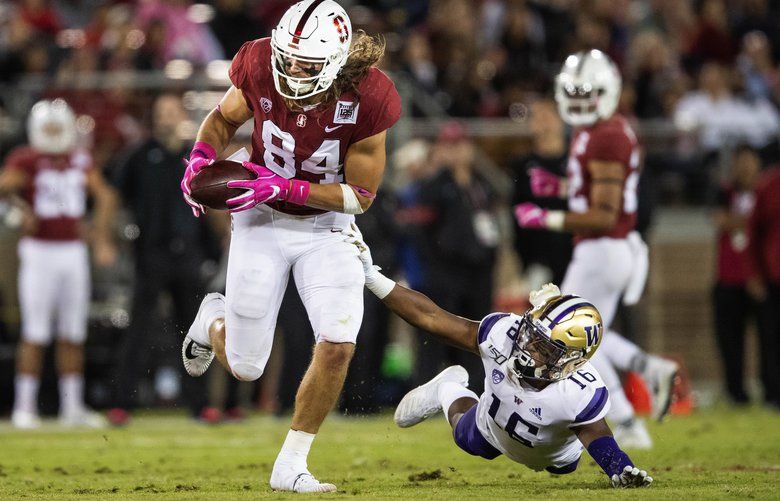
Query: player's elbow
[[364, 202]]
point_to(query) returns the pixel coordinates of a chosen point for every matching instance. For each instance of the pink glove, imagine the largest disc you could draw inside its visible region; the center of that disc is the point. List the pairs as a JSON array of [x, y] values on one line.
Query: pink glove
[[266, 187], [530, 215], [543, 183], [202, 155]]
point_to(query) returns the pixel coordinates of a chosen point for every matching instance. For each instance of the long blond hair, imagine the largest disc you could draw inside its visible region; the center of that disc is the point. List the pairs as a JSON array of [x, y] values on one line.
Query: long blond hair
[[366, 51]]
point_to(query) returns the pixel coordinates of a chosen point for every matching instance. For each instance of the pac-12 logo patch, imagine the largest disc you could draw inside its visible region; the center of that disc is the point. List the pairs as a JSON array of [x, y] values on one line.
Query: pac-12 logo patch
[[498, 376], [346, 112], [266, 104]]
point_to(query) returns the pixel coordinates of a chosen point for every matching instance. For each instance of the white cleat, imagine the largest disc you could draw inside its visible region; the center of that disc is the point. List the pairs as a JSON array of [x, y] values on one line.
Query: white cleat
[[423, 401], [292, 478], [633, 435], [83, 418], [25, 420], [196, 354], [660, 374]]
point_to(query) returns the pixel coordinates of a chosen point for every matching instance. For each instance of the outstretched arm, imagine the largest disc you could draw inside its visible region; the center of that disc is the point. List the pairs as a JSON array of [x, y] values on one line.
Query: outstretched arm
[[417, 309], [601, 445], [414, 307]]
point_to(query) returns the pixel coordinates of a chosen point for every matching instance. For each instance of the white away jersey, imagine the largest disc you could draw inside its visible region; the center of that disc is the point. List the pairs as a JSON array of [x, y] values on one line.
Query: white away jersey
[[531, 426]]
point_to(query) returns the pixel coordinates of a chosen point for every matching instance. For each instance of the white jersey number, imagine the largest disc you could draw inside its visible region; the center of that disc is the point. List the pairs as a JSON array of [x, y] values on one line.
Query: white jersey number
[[279, 156], [59, 194]]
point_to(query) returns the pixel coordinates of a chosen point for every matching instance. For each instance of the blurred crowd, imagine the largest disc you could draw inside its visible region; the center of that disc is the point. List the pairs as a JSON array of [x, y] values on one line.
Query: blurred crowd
[[709, 69]]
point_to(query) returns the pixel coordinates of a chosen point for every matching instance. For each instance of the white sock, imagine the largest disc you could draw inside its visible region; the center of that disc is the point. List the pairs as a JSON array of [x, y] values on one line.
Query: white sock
[[71, 393], [621, 409], [296, 447], [622, 353], [26, 393], [449, 392], [212, 310]]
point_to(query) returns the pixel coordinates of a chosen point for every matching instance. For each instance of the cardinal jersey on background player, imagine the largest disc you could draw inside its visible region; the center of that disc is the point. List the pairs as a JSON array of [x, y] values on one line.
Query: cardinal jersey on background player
[[309, 145], [54, 265], [56, 190], [610, 140], [530, 426]]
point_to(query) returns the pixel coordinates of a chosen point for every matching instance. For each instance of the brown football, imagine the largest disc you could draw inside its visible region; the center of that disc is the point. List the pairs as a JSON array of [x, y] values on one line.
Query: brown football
[[209, 186]]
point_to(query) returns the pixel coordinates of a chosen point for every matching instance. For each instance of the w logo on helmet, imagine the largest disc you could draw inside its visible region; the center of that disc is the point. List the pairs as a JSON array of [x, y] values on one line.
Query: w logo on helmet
[[593, 332]]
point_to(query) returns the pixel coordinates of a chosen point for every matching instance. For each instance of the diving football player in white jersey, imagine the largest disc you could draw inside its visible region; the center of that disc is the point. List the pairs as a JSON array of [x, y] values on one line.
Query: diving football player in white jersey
[[543, 400]]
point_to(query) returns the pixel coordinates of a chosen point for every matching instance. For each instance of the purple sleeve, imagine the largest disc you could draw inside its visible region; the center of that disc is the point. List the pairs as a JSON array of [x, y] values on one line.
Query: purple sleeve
[[487, 323], [606, 452]]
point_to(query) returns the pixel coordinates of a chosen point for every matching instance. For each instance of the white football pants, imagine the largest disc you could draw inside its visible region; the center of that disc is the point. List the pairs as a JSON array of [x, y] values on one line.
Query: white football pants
[[265, 245], [600, 271], [54, 289]]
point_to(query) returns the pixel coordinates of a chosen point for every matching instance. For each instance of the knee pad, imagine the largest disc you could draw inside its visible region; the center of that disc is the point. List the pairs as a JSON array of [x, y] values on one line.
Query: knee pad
[[246, 372], [252, 293]]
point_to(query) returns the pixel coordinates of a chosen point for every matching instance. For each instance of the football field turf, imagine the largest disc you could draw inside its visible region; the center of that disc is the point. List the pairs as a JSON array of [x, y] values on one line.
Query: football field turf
[[711, 455]]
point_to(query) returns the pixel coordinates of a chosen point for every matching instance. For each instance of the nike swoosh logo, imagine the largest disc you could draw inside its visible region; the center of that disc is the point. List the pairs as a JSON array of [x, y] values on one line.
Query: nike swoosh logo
[[331, 129], [188, 351]]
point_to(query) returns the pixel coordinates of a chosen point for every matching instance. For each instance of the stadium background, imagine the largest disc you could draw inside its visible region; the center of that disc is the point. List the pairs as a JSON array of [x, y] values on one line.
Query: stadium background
[[483, 63]]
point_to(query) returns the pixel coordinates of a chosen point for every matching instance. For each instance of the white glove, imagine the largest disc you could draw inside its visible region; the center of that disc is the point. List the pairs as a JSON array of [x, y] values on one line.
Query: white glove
[[539, 297], [376, 282], [631, 477]]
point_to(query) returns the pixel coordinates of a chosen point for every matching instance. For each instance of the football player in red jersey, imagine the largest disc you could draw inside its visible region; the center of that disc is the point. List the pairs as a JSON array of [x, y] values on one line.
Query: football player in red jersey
[[54, 178], [320, 111], [610, 259]]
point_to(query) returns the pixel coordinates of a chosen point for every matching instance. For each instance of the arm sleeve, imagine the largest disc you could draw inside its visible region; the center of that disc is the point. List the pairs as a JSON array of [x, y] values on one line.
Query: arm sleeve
[[612, 146], [592, 407], [239, 68], [384, 112]]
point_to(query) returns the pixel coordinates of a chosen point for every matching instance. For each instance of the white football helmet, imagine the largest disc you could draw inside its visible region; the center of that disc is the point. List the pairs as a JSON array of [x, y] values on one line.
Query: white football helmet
[[316, 34], [51, 127], [587, 88]]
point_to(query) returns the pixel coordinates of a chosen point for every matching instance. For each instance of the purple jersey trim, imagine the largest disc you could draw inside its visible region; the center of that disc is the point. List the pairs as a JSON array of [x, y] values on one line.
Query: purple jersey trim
[[563, 470], [594, 407], [469, 438], [487, 323]]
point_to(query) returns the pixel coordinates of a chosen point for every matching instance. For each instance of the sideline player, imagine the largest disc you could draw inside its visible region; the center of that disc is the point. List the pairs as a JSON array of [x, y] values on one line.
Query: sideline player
[[321, 112], [609, 257], [543, 400], [54, 177]]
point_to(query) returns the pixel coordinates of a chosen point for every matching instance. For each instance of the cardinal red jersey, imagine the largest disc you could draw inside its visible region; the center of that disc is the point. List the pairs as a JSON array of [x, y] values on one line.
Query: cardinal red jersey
[[309, 145], [56, 190], [610, 140]]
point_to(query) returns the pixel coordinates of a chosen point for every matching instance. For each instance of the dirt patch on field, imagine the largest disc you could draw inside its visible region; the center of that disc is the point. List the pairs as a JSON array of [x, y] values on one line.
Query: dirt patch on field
[[426, 475]]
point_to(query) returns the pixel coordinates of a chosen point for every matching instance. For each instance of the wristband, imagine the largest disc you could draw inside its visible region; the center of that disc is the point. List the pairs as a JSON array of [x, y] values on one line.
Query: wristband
[[607, 454], [203, 150], [298, 192], [555, 219], [380, 285]]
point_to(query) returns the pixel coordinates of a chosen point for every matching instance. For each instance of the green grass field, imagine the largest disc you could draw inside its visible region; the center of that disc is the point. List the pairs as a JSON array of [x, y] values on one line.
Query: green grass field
[[711, 455]]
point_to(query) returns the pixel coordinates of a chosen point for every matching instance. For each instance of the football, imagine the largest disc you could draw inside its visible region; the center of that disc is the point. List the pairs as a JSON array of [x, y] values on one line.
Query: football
[[209, 186]]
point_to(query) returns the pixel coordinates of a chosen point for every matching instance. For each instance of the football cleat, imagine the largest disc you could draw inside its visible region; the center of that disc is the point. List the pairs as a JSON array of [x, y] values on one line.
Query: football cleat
[[633, 435], [292, 478], [25, 420], [423, 401], [196, 354], [83, 418], [660, 374]]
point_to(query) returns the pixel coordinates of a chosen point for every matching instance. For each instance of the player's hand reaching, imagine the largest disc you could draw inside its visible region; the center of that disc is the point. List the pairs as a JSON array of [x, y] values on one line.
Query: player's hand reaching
[[546, 184], [354, 237], [631, 477]]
